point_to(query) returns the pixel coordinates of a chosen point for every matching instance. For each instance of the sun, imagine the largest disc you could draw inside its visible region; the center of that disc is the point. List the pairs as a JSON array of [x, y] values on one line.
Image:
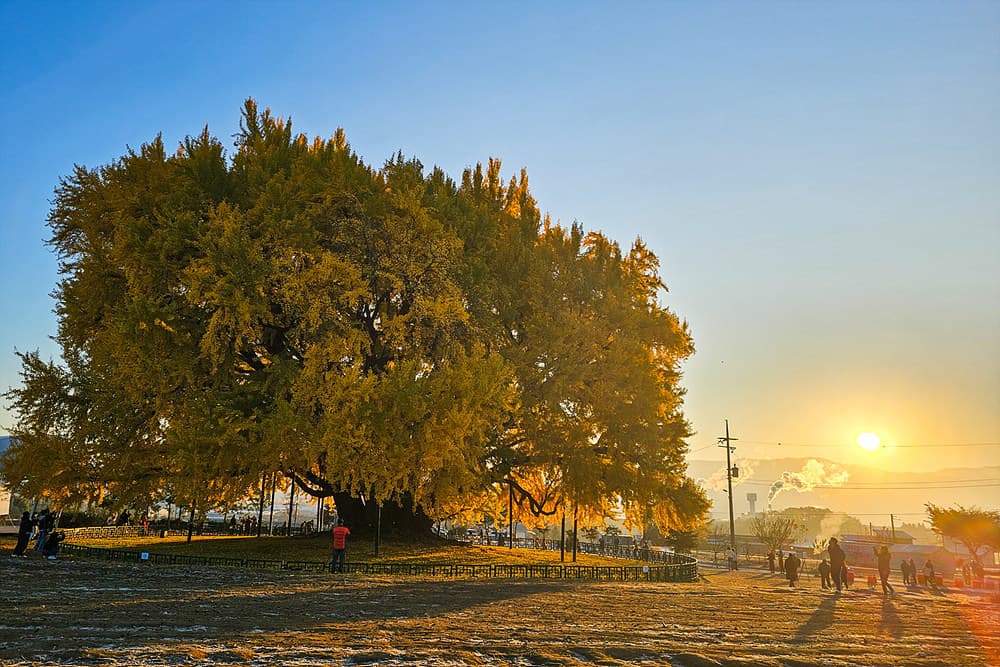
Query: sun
[[869, 441]]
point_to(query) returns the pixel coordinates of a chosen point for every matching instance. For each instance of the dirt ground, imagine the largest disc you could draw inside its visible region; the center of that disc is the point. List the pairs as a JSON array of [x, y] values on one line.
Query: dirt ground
[[79, 612]]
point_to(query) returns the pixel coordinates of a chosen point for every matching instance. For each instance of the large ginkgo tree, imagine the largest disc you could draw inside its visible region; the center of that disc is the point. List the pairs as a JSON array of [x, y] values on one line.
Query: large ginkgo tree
[[385, 335]]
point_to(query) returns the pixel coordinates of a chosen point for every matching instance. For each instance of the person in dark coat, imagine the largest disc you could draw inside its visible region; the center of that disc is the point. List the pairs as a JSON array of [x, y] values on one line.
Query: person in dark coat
[[23, 535], [45, 524], [52, 543], [792, 563], [770, 560], [904, 569], [837, 563]]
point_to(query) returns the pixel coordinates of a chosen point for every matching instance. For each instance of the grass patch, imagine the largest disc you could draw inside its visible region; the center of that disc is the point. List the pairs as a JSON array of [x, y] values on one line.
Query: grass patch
[[317, 548]]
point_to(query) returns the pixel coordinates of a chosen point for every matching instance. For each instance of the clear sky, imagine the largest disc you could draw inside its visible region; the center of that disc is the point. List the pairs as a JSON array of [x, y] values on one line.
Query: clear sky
[[821, 181]]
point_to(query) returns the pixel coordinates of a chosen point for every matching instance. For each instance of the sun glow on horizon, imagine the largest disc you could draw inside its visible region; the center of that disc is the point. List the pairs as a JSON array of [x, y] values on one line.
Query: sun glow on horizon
[[869, 441]]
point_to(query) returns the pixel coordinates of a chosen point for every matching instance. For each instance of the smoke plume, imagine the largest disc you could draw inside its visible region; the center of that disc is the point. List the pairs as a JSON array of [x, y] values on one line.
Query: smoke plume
[[717, 481], [829, 526], [813, 474]]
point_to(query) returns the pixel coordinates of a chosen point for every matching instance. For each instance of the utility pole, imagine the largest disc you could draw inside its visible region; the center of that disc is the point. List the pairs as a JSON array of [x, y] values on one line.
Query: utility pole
[[260, 511], [562, 537], [378, 528], [729, 479], [892, 522], [291, 507], [510, 515], [575, 539], [274, 488]]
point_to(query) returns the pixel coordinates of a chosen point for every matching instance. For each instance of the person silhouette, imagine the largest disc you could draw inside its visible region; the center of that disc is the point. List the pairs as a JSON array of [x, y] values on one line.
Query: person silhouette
[[340, 533], [883, 559]]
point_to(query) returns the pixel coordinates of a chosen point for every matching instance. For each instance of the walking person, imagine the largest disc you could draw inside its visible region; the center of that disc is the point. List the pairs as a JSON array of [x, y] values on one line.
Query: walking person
[[781, 561], [340, 533], [23, 535], [904, 569], [913, 573], [883, 558], [770, 560], [824, 575], [837, 563]]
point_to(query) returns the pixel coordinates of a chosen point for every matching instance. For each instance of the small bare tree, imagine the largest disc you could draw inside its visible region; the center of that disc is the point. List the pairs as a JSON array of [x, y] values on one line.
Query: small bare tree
[[774, 530]]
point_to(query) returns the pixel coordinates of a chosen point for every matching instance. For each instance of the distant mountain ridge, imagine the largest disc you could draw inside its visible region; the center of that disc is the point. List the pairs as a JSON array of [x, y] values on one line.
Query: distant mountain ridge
[[866, 491]]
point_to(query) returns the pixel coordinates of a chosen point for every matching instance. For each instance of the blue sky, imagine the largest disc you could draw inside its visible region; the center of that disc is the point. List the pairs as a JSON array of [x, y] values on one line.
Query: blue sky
[[821, 181]]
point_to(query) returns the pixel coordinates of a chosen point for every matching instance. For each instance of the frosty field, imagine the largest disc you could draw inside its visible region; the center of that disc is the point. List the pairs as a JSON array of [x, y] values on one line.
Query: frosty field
[[78, 612]]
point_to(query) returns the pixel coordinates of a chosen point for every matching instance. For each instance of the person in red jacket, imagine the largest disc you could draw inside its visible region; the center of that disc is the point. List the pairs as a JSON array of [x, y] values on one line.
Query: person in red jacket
[[340, 533]]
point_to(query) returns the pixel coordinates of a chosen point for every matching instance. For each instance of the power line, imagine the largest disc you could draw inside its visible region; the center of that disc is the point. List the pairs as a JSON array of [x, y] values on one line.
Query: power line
[[909, 488], [915, 485], [886, 488], [774, 443], [847, 514]]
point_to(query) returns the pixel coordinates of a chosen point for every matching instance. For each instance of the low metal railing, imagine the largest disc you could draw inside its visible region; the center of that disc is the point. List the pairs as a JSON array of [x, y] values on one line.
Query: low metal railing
[[683, 568]]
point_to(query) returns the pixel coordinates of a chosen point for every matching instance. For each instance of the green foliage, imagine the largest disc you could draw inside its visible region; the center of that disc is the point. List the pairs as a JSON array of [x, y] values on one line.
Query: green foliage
[[973, 527], [380, 331], [684, 541]]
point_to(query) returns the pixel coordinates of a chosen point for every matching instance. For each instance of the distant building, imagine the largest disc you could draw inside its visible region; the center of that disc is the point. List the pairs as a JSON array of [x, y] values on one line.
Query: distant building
[[894, 536], [521, 531], [944, 560], [860, 551], [986, 555]]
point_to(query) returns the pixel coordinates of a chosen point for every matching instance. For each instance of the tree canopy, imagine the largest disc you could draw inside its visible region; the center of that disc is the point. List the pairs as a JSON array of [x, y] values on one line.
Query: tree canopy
[[973, 527], [380, 331]]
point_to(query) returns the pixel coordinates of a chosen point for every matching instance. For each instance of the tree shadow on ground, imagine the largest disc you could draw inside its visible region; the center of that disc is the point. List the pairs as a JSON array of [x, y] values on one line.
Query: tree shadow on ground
[[820, 620], [97, 604]]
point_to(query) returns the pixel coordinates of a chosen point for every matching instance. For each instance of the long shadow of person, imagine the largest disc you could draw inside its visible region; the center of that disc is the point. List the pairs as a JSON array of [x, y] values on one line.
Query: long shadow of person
[[890, 623], [820, 620]]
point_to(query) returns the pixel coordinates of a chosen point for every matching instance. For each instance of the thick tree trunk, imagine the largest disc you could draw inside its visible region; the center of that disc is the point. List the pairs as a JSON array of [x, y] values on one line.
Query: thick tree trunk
[[398, 520]]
